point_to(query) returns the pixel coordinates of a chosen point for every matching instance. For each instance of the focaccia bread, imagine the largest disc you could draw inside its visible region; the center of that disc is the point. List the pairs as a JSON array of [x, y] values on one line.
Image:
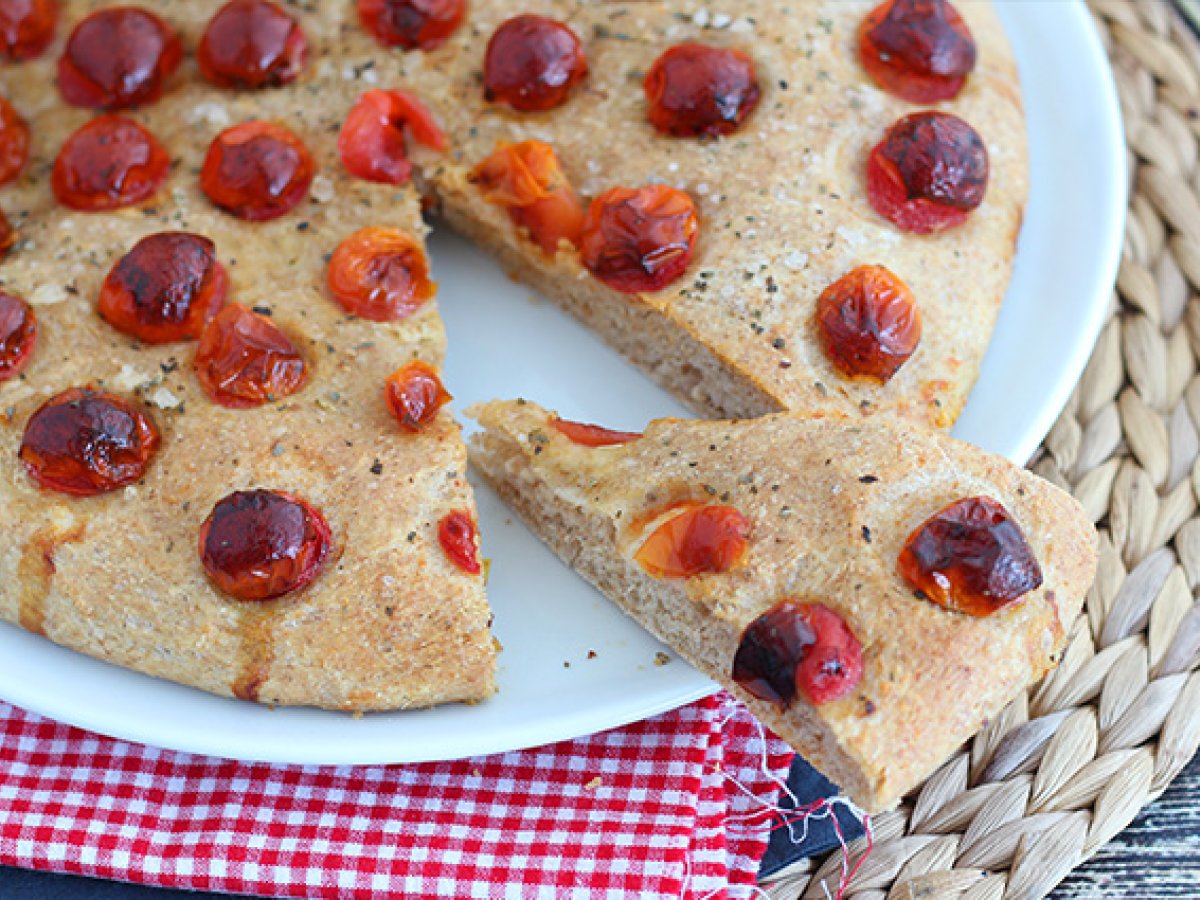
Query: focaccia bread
[[781, 199], [789, 560], [390, 621]]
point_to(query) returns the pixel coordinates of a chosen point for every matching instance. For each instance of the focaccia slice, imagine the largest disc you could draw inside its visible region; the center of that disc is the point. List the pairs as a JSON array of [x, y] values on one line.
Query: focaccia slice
[[391, 621], [737, 542]]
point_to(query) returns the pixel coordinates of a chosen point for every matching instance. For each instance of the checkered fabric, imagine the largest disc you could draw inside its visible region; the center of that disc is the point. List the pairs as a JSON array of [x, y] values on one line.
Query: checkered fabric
[[675, 806]]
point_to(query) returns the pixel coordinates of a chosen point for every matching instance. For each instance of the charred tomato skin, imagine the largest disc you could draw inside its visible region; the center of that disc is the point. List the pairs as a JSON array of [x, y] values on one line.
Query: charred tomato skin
[[695, 90], [928, 173], [920, 50], [252, 44], [532, 63], [26, 27], [245, 360], [798, 649], [257, 171], [414, 393], [18, 335], [118, 57], [970, 557], [380, 274], [261, 545], [639, 240], [411, 24], [168, 287], [14, 142], [458, 538], [109, 163], [868, 323], [85, 442]]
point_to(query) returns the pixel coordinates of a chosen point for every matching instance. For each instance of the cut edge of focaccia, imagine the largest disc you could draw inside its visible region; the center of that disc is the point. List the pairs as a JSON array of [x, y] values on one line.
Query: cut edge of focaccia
[[931, 678]]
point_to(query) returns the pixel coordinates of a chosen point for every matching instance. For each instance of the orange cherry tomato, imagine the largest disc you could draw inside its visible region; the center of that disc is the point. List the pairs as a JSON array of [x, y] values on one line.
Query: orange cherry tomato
[[380, 274], [257, 171], [372, 140], [592, 435], [868, 323], [460, 541], [412, 24], [414, 394], [14, 142], [526, 179], [639, 240], [245, 360], [109, 163], [700, 539]]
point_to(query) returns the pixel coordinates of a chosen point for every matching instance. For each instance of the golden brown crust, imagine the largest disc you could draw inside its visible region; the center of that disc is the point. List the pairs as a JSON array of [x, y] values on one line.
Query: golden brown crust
[[783, 209], [819, 530], [390, 622]]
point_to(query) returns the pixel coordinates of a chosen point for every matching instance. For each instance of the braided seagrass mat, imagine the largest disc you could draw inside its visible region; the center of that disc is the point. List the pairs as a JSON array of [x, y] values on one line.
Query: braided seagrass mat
[[1064, 769]]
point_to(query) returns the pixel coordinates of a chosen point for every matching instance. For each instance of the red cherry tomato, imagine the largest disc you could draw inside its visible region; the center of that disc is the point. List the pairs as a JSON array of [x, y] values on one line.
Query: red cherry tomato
[[26, 27], [457, 535], [109, 163], [414, 394], [85, 442], [700, 539], [14, 142], [118, 57], [798, 648], [245, 360], [531, 64], [868, 323], [257, 171], [971, 557], [372, 140], [167, 288], [526, 179], [260, 545], [18, 334], [592, 435], [699, 91], [920, 50], [639, 240], [412, 24], [252, 44], [380, 274]]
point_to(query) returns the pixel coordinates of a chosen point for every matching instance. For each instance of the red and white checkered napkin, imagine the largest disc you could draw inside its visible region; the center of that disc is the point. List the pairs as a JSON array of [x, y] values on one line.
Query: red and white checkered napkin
[[677, 805]]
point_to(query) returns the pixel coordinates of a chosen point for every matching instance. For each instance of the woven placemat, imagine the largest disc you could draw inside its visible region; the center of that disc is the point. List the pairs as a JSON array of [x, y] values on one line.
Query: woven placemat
[[1065, 768]]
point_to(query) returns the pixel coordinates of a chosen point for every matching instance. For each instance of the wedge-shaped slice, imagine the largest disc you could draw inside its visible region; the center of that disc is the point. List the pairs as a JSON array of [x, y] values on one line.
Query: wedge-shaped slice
[[781, 197], [391, 619], [768, 553]]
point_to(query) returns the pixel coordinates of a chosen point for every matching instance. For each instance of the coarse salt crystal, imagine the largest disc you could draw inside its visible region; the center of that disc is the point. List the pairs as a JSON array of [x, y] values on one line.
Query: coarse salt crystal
[[720, 20], [741, 26], [322, 189], [796, 260], [128, 378], [165, 399], [47, 295], [700, 18], [211, 112]]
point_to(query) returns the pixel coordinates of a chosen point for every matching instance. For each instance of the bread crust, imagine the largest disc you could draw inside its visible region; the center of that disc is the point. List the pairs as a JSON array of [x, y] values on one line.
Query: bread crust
[[782, 201], [390, 622], [820, 530]]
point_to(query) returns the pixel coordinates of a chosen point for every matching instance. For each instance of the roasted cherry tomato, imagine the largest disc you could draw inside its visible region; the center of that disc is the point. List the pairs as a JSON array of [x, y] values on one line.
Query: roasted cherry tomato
[[639, 240], [14, 142], [697, 539], [85, 442], [457, 535], [18, 334], [920, 50], [591, 435], [257, 171], [414, 393], [8, 235], [868, 323], [699, 91], [526, 179], [928, 173], [971, 557], [259, 545], [380, 274], [26, 27], [245, 360], [798, 648], [118, 57], [411, 24], [252, 44], [372, 140], [167, 288], [531, 64], [108, 163]]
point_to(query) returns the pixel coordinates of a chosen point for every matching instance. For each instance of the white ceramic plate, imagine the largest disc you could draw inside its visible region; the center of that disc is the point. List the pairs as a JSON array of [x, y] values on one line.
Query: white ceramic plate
[[572, 664]]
